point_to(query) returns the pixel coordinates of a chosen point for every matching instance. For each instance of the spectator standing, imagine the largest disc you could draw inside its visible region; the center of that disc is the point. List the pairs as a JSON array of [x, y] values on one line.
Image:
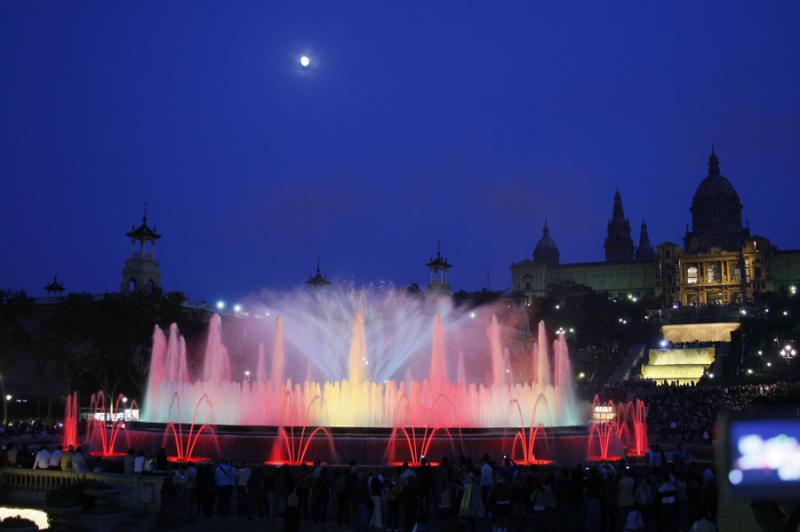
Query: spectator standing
[[127, 464], [224, 480], [487, 478], [625, 495], [243, 474]]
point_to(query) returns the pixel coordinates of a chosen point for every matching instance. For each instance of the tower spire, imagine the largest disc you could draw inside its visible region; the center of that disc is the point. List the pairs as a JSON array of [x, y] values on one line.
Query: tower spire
[[713, 163], [645, 250], [619, 244]]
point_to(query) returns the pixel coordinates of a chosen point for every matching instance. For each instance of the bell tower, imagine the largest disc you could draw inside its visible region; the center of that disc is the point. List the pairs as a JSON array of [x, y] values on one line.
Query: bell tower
[[141, 272], [438, 267]]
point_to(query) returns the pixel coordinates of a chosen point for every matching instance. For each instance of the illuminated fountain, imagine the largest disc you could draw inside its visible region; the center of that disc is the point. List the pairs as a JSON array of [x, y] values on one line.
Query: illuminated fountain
[[71, 412], [617, 429], [292, 449], [632, 423], [106, 423], [365, 353], [365, 369], [185, 441]]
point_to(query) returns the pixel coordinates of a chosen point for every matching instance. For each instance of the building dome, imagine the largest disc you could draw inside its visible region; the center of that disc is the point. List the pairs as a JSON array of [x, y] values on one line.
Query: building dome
[[546, 250], [716, 205]]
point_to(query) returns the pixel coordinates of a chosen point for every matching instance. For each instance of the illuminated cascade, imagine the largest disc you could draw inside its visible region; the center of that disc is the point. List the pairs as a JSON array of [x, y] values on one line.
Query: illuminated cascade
[[291, 450], [678, 365], [106, 422], [185, 444], [71, 412]]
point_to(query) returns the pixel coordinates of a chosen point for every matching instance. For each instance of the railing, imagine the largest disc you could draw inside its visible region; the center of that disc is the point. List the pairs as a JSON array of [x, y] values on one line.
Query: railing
[[134, 492]]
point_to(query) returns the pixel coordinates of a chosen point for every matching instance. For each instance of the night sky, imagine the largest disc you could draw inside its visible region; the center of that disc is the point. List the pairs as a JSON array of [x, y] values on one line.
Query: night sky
[[465, 122]]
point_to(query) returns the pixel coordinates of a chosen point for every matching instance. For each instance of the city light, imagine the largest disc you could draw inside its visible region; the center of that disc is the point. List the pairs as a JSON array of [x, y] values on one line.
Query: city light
[[581, 375], [124, 399], [220, 305], [472, 315], [558, 307], [749, 371], [788, 352], [237, 308], [8, 397], [247, 373], [710, 375], [793, 290], [769, 364], [785, 312], [305, 61], [743, 312], [663, 344], [760, 353]]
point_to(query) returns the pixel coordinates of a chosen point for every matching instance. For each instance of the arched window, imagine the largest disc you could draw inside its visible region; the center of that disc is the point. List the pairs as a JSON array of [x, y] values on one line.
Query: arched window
[[131, 286], [691, 275], [151, 286]]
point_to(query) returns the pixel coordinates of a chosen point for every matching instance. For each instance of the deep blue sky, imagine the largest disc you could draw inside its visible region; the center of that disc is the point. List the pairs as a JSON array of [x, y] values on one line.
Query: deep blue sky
[[465, 122]]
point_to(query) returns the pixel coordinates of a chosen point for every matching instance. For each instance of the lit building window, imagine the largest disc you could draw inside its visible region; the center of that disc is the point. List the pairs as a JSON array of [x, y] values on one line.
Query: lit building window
[[736, 272], [691, 275], [713, 273]]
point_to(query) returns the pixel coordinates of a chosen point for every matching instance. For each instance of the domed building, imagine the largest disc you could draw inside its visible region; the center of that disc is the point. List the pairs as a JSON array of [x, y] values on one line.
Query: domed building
[[719, 263], [546, 250]]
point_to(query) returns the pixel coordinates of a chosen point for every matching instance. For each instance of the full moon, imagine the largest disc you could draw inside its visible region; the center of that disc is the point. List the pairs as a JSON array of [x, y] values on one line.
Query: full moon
[[305, 60]]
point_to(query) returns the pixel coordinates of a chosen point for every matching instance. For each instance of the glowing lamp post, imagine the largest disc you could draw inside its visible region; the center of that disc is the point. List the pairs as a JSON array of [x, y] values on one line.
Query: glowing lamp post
[[788, 352]]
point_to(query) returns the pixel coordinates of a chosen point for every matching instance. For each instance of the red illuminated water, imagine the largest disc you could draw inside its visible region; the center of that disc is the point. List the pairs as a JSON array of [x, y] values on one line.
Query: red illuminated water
[[105, 425], [291, 447], [71, 412], [617, 425], [184, 442]]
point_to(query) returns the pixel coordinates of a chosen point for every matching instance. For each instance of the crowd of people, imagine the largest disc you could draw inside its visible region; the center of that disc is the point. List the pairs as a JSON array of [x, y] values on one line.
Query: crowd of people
[[54, 458], [687, 414], [451, 495]]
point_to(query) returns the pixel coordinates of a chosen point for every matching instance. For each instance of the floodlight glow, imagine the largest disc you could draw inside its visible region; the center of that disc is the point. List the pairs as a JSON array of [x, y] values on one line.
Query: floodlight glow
[[220, 305], [305, 61], [237, 308]]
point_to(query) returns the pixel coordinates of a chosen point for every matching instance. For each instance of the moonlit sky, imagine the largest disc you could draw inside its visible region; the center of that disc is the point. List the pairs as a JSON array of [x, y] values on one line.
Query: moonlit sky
[[465, 122]]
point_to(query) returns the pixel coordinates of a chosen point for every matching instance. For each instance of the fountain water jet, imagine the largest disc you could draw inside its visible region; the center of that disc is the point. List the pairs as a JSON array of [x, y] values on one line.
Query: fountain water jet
[[71, 412]]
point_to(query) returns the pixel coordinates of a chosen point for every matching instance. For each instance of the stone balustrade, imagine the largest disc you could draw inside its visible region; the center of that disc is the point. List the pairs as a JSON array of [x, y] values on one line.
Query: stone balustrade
[[140, 493]]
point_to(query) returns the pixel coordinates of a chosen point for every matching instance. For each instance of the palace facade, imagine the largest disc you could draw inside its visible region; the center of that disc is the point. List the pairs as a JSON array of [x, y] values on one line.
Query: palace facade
[[719, 263]]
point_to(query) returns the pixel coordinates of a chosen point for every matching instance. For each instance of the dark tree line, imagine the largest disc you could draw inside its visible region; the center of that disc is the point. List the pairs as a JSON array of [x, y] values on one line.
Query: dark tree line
[[86, 342]]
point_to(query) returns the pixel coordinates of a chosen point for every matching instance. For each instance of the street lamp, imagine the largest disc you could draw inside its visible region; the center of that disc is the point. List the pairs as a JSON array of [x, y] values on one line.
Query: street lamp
[[788, 352]]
